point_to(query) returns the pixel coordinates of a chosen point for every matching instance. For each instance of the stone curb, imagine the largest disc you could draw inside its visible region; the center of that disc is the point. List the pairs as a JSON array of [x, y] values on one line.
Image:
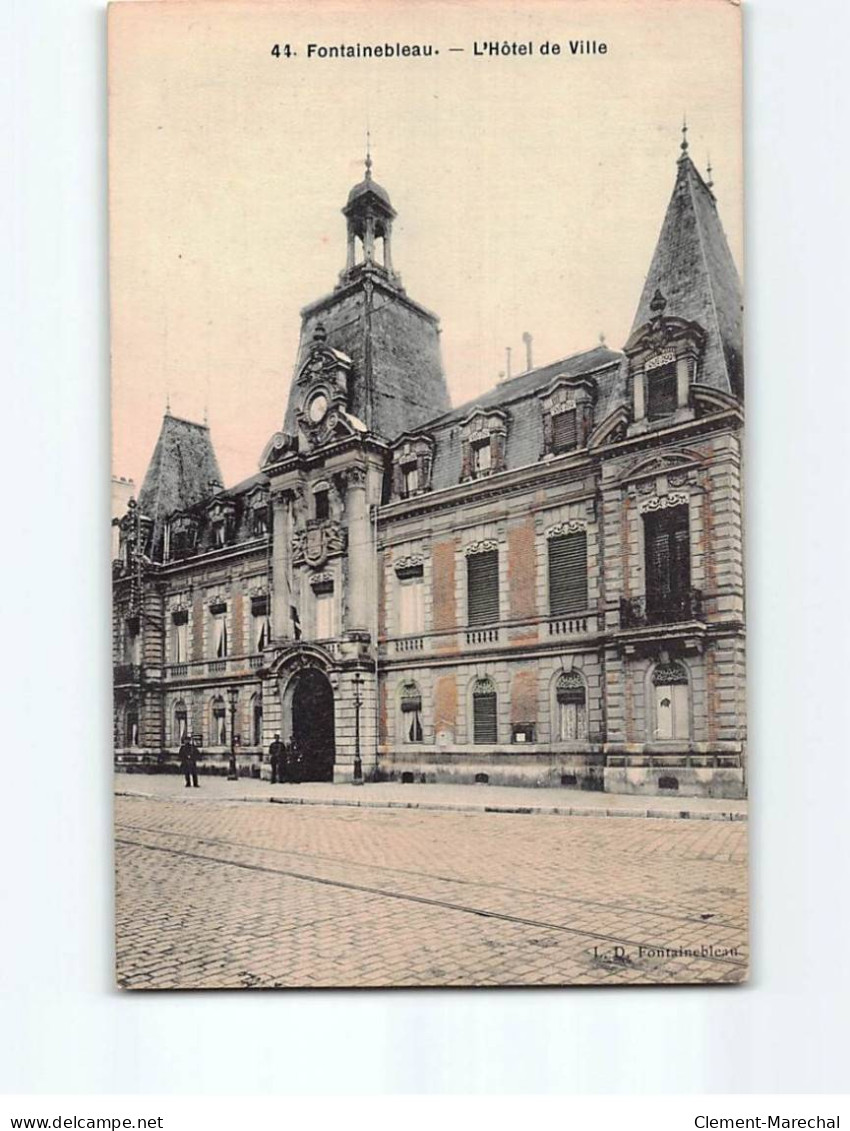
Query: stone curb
[[446, 807]]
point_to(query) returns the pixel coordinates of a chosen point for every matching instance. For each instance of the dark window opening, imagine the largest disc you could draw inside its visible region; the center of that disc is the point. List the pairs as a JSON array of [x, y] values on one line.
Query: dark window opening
[[322, 504], [668, 782], [482, 779], [522, 733], [667, 559]]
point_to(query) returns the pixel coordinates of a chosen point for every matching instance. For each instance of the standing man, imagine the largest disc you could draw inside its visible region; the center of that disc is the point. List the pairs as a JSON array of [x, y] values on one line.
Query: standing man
[[277, 759], [189, 762]]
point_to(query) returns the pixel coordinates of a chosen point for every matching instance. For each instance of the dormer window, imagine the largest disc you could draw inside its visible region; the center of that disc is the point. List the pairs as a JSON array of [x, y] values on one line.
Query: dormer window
[[260, 520], [483, 438], [567, 414], [412, 461], [219, 534]]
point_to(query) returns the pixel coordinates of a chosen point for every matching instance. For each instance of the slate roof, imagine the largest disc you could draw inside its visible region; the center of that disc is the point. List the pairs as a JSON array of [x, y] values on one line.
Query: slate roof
[[179, 474], [694, 270], [518, 397]]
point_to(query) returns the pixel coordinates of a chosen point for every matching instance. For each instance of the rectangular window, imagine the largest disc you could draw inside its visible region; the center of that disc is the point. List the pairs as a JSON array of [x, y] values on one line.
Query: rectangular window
[[482, 458], [322, 504], [568, 573], [260, 520], [409, 479], [262, 624], [667, 559], [219, 635], [564, 431], [482, 579], [324, 616], [410, 606], [484, 724], [661, 393]]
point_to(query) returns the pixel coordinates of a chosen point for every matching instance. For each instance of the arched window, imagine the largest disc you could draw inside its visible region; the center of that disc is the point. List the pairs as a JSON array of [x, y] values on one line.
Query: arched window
[[671, 708], [484, 712], [181, 723], [257, 719], [411, 712], [571, 708], [218, 730]]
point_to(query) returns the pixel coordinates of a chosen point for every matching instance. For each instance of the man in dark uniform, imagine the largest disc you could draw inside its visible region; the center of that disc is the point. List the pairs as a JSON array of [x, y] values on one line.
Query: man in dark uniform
[[189, 762], [277, 759]]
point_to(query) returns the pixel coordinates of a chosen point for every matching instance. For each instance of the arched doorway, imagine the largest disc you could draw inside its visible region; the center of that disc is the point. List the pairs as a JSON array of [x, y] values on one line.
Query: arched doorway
[[312, 704]]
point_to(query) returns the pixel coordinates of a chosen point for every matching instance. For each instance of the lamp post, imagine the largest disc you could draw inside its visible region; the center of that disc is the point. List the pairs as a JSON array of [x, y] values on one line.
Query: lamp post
[[233, 696], [358, 703]]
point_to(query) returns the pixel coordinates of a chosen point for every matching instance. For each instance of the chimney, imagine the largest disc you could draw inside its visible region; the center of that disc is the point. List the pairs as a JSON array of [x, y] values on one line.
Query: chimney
[[526, 337], [508, 363]]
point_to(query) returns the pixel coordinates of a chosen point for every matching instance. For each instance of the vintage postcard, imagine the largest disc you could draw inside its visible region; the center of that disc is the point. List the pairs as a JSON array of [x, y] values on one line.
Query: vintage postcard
[[428, 580]]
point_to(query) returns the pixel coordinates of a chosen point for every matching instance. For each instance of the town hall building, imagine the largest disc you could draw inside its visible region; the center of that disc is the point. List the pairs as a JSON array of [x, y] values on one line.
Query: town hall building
[[542, 586]]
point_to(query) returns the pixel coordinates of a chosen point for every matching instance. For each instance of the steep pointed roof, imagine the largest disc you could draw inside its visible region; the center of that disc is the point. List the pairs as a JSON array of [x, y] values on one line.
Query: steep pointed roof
[[694, 270], [179, 474]]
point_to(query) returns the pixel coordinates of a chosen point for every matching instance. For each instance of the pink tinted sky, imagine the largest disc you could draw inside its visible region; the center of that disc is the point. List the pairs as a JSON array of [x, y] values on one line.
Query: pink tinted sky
[[530, 191]]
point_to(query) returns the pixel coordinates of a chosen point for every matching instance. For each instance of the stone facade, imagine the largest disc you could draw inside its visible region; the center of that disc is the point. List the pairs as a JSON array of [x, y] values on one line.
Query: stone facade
[[542, 587]]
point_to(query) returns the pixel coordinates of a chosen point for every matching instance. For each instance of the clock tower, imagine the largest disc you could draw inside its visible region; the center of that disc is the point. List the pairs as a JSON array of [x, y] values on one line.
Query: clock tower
[[368, 370]]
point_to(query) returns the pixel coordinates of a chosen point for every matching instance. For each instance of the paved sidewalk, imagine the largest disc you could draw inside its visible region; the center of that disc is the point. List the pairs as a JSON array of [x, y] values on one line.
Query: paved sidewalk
[[457, 798]]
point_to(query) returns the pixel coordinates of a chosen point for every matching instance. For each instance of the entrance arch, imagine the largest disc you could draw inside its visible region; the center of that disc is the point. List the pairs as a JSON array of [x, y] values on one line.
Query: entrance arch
[[310, 700]]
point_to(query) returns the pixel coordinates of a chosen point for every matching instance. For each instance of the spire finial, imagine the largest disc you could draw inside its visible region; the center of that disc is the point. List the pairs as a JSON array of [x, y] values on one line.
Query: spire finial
[[709, 182], [167, 403], [368, 155], [684, 145]]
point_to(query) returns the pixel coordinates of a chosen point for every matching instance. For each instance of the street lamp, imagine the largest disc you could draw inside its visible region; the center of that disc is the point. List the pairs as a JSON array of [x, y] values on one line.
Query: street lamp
[[358, 703], [233, 696]]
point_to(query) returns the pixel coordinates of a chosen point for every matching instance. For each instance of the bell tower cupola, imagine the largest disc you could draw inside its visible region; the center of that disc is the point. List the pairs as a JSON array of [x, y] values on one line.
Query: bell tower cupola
[[369, 216]]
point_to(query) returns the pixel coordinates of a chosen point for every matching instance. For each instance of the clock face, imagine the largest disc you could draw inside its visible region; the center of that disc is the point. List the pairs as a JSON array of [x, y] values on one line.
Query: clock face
[[317, 407]]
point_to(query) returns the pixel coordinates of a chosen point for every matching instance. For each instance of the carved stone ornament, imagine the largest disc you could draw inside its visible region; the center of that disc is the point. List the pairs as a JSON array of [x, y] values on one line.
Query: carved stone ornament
[[572, 526], [660, 502], [280, 445], [317, 542], [482, 547]]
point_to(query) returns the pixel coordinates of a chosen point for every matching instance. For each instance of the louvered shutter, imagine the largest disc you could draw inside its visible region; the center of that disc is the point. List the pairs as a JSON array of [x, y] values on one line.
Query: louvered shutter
[[482, 574], [568, 573], [484, 715], [662, 395], [564, 431], [668, 556]]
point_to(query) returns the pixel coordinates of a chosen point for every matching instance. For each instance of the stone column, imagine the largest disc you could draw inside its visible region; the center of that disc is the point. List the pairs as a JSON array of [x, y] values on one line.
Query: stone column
[[281, 564], [360, 553], [640, 394], [369, 240], [683, 381]]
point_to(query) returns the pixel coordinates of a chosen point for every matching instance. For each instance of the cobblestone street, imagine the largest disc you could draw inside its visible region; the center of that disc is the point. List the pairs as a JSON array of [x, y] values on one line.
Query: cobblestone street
[[215, 893]]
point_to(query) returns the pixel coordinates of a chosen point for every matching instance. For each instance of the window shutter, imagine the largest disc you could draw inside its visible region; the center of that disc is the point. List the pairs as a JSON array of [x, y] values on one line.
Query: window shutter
[[482, 575], [465, 459], [568, 573], [484, 724], [564, 431], [668, 556], [662, 397]]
